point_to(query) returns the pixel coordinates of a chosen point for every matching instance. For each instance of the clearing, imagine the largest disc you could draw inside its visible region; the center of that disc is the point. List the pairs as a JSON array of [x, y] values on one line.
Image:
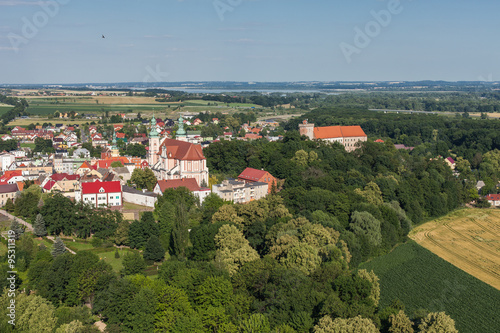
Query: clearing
[[468, 239]]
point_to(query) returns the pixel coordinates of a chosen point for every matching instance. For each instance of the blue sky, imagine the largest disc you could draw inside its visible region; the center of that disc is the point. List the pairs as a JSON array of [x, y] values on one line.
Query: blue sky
[[247, 40]]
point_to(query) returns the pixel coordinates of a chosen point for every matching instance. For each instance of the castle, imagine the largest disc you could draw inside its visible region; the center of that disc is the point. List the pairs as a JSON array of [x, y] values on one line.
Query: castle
[[348, 136]]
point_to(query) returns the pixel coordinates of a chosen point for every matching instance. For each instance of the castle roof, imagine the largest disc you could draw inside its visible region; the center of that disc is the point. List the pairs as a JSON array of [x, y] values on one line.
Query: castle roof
[[182, 150]]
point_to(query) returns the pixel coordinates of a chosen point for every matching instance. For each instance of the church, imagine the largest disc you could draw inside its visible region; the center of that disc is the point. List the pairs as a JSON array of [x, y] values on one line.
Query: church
[[176, 159]]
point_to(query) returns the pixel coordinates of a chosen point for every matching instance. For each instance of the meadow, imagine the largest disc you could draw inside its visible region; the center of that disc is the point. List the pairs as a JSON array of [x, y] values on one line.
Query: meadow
[[422, 280]]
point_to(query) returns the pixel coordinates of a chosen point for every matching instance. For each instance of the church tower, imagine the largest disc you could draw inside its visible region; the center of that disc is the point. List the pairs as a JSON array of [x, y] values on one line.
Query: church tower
[[154, 144], [181, 133], [115, 152]]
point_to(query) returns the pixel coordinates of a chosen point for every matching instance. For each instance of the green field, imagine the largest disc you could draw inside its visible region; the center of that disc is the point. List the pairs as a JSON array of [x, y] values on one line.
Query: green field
[[421, 279], [4, 109], [109, 257], [45, 109]]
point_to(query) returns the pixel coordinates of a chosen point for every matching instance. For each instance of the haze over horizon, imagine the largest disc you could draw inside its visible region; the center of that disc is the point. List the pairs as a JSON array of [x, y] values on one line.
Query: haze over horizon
[[62, 41]]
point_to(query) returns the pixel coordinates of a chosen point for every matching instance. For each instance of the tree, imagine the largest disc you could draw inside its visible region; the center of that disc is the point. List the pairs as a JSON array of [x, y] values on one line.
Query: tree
[[400, 323], [154, 251], [9, 205], [373, 279], [341, 325], [39, 228], [144, 178], [16, 227], [256, 323], [116, 164], [75, 326], [364, 224], [437, 322], [233, 250], [58, 248], [180, 233], [133, 264]]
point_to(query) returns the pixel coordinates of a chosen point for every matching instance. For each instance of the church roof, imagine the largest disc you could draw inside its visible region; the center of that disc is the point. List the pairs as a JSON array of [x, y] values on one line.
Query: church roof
[[189, 183], [182, 150]]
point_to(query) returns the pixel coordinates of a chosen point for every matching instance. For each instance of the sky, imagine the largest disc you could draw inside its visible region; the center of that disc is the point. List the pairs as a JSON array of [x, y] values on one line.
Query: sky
[[60, 41]]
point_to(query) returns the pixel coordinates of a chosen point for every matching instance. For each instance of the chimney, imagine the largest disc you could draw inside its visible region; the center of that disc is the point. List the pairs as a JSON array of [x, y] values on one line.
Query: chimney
[[144, 190]]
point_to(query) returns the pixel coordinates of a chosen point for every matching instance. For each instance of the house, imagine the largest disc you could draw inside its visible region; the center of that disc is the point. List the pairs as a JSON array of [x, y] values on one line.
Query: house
[[84, 168], [252, 136], [7, 191], [81, 152], [401, 146], [250, 175], [99, 194], [240, 191], [190, 183], [61, 182], [450, 162], [137, 197], [493, 199], [348, 136]]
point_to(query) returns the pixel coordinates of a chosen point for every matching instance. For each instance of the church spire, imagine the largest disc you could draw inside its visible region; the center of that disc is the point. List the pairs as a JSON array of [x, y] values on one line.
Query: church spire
[[153, 133]]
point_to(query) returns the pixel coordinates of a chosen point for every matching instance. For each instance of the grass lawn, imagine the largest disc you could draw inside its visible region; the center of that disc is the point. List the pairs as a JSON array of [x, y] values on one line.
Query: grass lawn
[[3, 249], [29, 145], [78, 245], [131, 206], [109, 257], [4, 109], [44, 241], [421, 279]]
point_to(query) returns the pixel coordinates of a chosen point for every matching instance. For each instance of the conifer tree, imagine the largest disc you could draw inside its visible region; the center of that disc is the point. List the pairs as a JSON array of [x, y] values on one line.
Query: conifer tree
[[39, 228], [59, 248], [16, 227], [154, 251]]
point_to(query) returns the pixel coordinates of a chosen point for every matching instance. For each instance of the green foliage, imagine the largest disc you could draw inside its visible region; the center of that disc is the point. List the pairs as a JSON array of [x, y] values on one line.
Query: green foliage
[[116, 164], [17, 228], [143, 178], [154, 251], [39, 227], [435, 285], [133, 264], [59, 247]]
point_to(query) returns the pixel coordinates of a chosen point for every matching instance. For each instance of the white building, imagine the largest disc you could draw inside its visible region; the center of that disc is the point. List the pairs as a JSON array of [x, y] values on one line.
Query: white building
[[100, 194]]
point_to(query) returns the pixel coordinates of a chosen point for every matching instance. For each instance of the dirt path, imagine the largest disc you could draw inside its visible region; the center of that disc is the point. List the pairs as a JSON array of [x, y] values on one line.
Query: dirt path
[[11, 217], [468, 239]]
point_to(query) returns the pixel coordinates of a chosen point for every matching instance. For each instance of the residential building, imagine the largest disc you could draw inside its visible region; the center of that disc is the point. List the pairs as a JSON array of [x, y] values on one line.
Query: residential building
[[239, 191], [348, 136], [100, 194], [493, 199], [251, 175], [6, 159], [7, 191]]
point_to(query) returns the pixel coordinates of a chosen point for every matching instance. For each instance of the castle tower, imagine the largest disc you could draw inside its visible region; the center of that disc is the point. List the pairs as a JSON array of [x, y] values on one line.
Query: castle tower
[[307, 129], [154, 144]]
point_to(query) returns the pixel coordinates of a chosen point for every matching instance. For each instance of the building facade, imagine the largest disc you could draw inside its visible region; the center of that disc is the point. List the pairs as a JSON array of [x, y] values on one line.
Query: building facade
[[176, 159], [101, 194], [239, 191], [348, 136]]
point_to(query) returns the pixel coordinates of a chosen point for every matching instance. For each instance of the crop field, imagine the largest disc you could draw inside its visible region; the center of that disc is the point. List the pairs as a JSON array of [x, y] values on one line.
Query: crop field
[[4, 108], [469, 239], [422, 280]]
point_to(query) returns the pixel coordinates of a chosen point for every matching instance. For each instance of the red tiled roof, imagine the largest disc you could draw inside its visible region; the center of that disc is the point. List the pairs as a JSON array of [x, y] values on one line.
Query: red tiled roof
[[452, 161], [338, 132], [49, 185], [182, 150], [60, 176], [120, 135], [379, 140], [85, 165], [252, 136], [493, 197], [327, 132], [252, 174], [94, 187], [189, 183]]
